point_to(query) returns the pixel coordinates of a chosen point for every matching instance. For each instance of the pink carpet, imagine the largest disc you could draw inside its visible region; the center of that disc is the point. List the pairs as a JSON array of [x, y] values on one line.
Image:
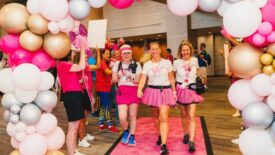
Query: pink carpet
[[146, 137]]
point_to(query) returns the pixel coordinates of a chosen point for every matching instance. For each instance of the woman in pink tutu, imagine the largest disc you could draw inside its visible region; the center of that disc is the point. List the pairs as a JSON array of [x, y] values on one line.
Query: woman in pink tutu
[[127, 74], [160, 93], [186, 73]]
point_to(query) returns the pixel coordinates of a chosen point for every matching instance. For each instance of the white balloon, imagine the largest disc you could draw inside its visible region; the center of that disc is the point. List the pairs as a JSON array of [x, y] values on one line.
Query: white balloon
[[223, 7], [25, 96], [11, 129], [6, 83], [47, 81], [182, 7], [259, 3], [20, 127], [242, 19], [14, 118], [209, 5], [255, 142], [232, 1], [33, 6], [97, 3], [8, 100], [21, 136], [15, 109], [30, 114], [26, 76], [46, 100]]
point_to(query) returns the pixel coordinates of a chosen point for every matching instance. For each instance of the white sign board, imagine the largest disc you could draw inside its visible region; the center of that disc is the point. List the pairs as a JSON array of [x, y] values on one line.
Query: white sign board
[[97, 33]]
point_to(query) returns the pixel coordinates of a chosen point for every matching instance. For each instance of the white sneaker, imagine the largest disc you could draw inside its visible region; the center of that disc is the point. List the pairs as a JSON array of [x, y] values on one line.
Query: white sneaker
[[89, 137], [235, 141], [78, 153], [83, 143]]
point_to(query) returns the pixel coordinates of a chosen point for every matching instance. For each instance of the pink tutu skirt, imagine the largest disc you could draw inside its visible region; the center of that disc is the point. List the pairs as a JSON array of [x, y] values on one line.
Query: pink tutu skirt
[[127, 95], [187, 96], [156, 97]]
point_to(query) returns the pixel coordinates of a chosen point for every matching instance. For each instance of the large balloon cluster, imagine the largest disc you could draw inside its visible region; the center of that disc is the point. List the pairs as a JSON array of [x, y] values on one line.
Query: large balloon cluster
[[252, 61]]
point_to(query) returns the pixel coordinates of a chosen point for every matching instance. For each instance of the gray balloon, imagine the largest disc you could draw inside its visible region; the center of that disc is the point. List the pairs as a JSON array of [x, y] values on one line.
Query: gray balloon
[[209, 5], [8, 100], [14, 118], [46, 100], [6, 116], [79, 9], [257, 115], [30, 114], [15, 109]]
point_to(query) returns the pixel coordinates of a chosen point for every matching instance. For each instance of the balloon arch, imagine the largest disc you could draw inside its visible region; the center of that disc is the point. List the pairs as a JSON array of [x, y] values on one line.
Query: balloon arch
[[38, 35]]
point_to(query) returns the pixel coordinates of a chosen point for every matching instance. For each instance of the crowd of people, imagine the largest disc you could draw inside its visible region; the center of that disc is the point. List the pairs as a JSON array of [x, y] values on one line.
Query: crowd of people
[[156, 82]]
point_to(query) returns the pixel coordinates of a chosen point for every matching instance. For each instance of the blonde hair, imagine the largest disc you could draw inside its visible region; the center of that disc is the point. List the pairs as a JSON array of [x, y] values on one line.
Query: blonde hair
[[185, 43], [147, 56]]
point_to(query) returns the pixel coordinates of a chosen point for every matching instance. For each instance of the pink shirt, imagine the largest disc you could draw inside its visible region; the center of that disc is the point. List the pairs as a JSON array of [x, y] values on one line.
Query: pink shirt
[[69, 81]]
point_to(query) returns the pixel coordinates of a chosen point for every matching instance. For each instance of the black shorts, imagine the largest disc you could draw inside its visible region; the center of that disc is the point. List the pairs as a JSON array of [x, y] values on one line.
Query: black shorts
[[86, 101], [74, 106]]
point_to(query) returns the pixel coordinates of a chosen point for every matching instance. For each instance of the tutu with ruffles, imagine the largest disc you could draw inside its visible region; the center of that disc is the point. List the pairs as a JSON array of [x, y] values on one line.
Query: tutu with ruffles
[[187, 96], [157, 97]]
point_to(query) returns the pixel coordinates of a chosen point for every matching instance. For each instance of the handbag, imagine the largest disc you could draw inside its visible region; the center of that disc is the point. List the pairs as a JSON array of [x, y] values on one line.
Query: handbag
[[198, 87]]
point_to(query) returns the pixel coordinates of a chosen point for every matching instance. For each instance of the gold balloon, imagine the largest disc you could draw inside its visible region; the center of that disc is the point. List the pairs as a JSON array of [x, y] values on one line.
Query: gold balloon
[[271, 49], [14, 18], [266, 59], [54, 153], [57, 45], [273, 64], [15, 152], [38, 24], [244, 61], [30, 41], [269, 70]]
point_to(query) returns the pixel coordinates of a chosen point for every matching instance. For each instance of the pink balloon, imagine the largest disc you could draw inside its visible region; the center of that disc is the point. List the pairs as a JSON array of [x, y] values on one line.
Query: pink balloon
[[258, 39], [33, 6], [273, 78], [14, 143], [9, 43], [265, 28], [240, 94], [30, 129], [271, 37], [261, 84], [42, 60], [11, 129], [272, 92], [33, 145], [71, 24], [268, 13], [20, 127], [56, 139], [121, 4], [20, 56], [21, 136], [251, 42], [271, 102], [46, 124], [54, 10]]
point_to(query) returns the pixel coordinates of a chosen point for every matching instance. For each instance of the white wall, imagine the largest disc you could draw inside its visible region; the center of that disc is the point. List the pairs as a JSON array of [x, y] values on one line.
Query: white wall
[[204, 20], [145, 17]]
